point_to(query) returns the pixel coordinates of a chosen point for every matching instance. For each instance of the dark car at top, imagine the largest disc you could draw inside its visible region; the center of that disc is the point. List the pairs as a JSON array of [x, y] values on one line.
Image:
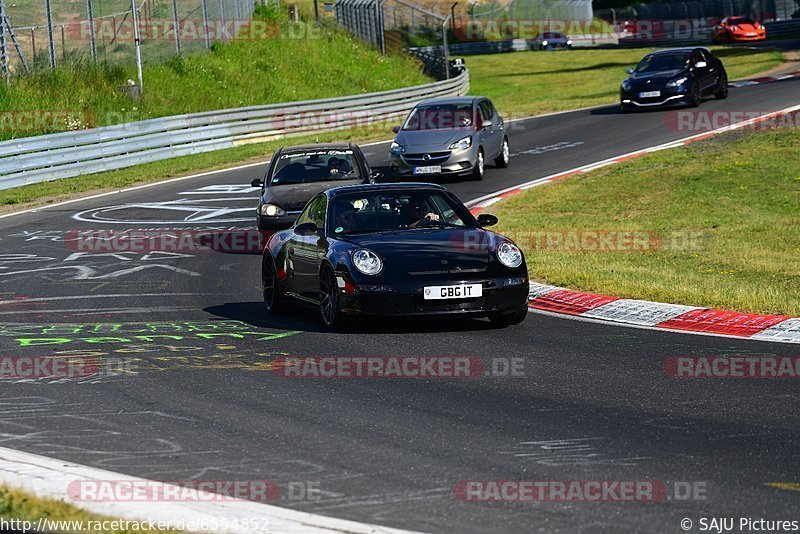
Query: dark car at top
[[449, 136], [395, 250], [674, 77], [297, 173]]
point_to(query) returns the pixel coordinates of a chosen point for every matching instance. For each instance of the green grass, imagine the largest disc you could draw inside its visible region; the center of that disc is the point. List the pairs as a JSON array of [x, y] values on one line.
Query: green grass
[[326, 62], [18, 504], [526, 83], [736, 196]]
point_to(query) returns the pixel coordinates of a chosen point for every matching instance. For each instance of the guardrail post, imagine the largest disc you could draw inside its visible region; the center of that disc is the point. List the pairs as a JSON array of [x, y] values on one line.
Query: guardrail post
[[52, 44]]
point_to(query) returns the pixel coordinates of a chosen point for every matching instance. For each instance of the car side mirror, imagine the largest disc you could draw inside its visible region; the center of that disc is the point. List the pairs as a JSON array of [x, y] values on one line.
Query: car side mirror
[[257, 182], [629, 70], [396, 129], [700, 65], [375, 177], [487, 124], [486, 219], [305, 229]]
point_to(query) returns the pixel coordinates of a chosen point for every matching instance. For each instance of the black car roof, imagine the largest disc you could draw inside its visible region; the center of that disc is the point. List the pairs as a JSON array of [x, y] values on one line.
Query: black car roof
[[684, 50], [412, 186], [326, 146]]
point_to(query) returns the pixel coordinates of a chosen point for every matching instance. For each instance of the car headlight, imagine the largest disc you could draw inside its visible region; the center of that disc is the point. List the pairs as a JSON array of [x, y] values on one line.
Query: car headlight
[[677, 82], [544, 43], [396, 148], [626, 85], [271, 210], [462, 143], [367, 261], [569, 42], [509, 255]]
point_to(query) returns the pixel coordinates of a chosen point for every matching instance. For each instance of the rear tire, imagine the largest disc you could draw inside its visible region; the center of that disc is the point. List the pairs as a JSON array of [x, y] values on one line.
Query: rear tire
[[502, 160], [480, 166], [722, 88], [273, 300], [508, 318]]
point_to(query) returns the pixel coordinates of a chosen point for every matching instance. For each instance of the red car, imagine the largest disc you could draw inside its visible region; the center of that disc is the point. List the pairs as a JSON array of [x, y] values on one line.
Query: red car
[[738, 29]]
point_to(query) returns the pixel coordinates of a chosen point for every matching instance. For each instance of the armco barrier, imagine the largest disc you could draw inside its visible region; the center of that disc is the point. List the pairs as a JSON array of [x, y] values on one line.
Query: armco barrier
[[64, 155]]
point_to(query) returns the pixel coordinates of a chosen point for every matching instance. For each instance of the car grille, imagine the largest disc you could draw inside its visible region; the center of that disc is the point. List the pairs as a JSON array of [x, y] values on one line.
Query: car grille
[[449, 305], [436, 158]]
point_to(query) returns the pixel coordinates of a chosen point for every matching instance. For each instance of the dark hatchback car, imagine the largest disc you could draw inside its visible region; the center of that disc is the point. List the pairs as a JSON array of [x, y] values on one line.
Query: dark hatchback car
[[298, 173], [675, 77], [395, 250]]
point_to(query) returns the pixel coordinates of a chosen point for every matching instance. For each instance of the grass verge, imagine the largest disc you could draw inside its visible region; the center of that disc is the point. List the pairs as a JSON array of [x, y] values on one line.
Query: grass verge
[[526, 83], [23, 506], [726, 208]]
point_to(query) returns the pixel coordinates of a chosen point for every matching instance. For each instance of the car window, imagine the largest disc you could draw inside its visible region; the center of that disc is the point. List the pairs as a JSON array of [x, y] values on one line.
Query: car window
[[314, 212], [389, 211], [661, 62], [486, 111], [440, 117], [740, 20], [697, 56], [315, 166]]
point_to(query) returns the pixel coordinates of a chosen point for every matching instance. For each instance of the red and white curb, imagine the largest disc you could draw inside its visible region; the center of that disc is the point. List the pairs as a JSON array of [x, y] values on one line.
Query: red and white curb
[[657, 315], [50, 478], [764, 79], [643, 313]]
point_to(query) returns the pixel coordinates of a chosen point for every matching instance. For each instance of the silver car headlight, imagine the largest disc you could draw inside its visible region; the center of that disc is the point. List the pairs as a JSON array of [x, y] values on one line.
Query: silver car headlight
[[271, 210], [397, 148], [367, 262], [462, 143], [677, 82], [509, 255]]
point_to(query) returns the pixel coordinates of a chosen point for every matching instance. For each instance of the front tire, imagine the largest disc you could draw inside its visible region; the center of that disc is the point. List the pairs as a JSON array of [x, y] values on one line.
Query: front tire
[[505, 154], [480, 166], [508, 318], [695, 98], [329, 299], [273, 300], [722, 88]]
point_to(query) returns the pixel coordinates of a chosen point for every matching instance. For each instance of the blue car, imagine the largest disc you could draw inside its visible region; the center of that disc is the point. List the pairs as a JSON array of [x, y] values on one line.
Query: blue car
[[675, 77]]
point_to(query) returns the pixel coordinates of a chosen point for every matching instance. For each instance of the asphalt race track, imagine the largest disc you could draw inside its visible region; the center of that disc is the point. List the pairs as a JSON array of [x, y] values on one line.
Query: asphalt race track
[[595, 402]]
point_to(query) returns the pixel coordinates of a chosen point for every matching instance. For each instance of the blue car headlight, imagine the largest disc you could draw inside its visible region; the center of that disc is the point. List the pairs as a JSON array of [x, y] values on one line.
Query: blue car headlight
[[626, 85], [396, 148], [677, 82], [367, 262]]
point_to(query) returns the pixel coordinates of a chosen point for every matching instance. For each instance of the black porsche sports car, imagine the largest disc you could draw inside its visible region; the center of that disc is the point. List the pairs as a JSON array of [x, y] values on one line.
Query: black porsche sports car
[[674, 77], [298, 173], [398, 250]]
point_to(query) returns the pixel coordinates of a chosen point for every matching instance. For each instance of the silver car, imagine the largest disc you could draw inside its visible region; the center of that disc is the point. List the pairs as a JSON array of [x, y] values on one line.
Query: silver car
[[452, 136]]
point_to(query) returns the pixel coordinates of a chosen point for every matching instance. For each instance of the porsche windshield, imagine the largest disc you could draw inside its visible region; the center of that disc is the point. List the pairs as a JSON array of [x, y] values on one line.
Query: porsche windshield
[[315, 166], [662, 62], [392, 211]]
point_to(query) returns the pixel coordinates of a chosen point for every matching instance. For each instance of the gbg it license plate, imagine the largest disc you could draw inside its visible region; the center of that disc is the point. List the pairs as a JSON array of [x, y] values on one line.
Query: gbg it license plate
[[453, 292], [430, 169], [649, 94]]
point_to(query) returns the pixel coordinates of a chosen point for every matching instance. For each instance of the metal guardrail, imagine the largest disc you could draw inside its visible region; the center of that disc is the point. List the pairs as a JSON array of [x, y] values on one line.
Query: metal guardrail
[[64, 155]]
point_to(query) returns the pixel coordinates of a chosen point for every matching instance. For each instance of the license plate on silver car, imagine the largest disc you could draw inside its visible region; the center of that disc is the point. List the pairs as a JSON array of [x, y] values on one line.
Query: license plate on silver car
[[430, 169], [649, 94], [453, 292]]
